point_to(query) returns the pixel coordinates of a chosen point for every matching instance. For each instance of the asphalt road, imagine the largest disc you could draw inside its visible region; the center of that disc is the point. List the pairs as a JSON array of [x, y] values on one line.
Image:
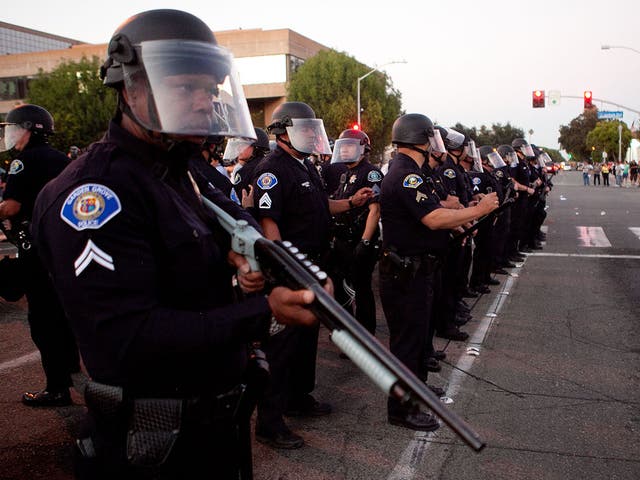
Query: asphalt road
[[554, 390]]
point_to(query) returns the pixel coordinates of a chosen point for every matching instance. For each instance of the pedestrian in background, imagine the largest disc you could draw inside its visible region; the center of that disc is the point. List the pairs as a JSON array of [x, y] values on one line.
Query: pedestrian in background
[[597, 168], [585, 173], [605, 174]]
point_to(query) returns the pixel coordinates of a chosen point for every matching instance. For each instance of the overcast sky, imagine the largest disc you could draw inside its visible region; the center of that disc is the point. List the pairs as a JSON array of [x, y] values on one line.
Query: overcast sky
[[469, 61]]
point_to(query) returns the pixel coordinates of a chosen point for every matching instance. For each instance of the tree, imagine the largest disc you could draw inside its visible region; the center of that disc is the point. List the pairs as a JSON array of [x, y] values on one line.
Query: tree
[[328, 83], [604, 137], [573, 136], [495, 135], [80, 104]]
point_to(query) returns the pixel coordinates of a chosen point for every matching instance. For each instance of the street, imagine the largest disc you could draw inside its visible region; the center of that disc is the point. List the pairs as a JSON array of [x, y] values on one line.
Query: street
[[552, 384]]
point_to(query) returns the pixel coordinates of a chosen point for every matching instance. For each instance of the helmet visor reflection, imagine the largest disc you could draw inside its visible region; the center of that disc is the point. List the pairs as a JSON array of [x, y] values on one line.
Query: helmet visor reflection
[[234, 147], [307, 135], [10, 133], [191, 89], [437, 145], [495, 160], [347, 150]]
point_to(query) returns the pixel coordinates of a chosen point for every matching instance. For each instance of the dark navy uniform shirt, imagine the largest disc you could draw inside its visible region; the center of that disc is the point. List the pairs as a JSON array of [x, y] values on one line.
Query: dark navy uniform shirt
[[29, 172], [353, 179], [455, 180], [482, 182], [141, 270], [433, 177], [331, 174], [291, 193], [521, 173], [405, 198]]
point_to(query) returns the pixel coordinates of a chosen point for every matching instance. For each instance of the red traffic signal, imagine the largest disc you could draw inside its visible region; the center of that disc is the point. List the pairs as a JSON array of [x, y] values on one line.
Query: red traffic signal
[[588, 99], [355, 126], [538, 98]]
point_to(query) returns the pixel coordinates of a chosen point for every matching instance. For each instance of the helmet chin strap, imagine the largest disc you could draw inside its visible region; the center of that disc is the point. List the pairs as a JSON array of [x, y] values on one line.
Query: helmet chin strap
[[425, 152], [288, 144]]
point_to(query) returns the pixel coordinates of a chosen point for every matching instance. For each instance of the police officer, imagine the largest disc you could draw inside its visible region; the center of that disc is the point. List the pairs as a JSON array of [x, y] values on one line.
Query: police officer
[[292, 205], [415, 238], [356, 233], [521, 213], [204, 163], [25, 135], [143, 270], [247, 155]]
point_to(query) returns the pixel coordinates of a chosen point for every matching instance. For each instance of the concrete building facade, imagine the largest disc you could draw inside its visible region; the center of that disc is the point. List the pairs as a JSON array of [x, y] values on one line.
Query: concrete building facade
[[265, 60]]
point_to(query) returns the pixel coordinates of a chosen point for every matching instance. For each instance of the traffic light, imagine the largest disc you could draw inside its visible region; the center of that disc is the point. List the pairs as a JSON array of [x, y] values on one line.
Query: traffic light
[[538, 98], [588, 99]]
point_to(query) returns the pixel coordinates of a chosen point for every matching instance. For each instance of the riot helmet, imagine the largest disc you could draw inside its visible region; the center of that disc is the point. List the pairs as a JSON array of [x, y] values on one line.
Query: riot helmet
[[235, 146], [471, 155], [520, 145], [351, 146], [509, 155], [453, 140], [490, 157], [22, 119], [416, 129], [176, 78], [298, 121]]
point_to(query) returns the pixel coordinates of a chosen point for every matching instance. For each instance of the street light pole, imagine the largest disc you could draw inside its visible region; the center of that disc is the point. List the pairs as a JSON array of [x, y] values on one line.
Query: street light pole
[[608, 47], [366, 75]]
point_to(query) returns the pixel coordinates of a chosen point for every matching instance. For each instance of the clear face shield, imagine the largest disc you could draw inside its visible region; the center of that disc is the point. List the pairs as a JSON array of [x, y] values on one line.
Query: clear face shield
[[192, 89], [454, 139], [543, 160], [512, 159], [347, 150], [436, 143], [495, 160], [474, 157], [235, 146], [10, 134], [307, 135], [527, 151]]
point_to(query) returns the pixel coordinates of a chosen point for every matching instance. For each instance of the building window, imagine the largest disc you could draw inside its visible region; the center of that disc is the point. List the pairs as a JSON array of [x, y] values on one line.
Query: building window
[[294, 64], [13, 88]]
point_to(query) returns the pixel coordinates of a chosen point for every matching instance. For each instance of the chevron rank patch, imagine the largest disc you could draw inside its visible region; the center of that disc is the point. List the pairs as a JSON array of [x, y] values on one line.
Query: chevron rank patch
[[92, 253], [412, 181], [90, 206], [265, 201]]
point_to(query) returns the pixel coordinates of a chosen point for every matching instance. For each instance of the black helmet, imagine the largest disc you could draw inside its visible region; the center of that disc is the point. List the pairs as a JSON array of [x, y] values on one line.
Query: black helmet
[[520, 145], [491, 157], [508, 154], [358, 135], [31, 117], [452, 139], [28, 117], [237, 145], [352, 145], [412, 129], [297, 119], [149, 56]]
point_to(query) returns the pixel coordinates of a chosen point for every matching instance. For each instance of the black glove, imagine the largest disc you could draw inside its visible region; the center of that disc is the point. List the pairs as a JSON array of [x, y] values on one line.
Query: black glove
[[363, 249]]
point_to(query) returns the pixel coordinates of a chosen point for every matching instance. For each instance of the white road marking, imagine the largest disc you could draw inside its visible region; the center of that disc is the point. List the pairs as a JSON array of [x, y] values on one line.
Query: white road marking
[[583, 255], [413, 455], [592, 237], [635, 231]]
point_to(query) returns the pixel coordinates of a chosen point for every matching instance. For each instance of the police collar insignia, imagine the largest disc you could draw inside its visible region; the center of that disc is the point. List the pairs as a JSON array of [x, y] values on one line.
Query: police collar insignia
[[374, 176], [353, 178], [90, 206], [16, 167], [449, 173], [265, 201], [476, 180], [267, 181], [412, 181]]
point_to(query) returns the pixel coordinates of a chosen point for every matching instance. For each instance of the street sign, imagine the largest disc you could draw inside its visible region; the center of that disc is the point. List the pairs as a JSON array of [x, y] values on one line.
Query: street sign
[[554, 97], [605, 114]]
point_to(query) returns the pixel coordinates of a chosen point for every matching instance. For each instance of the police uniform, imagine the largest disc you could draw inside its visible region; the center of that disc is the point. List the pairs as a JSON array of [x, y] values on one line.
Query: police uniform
[[141, 269], [243, 178], [351, 259], [411, 253], [520, 211], [504, 186], [483, 254], [291, 193], [29, 172], [331, 176], [210, 174]]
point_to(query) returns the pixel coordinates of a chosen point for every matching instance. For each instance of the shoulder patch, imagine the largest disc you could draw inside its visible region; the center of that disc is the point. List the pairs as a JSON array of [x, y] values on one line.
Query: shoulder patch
[[449, 173], [412, 181], [499, 173], [90, 206], [16, 167], [237, 178], [374, 176], [476, 180], [234, 196], [267, 181]]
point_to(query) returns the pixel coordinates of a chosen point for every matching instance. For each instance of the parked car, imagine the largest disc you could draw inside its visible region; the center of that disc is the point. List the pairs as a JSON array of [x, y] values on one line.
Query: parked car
[[552, 167]]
